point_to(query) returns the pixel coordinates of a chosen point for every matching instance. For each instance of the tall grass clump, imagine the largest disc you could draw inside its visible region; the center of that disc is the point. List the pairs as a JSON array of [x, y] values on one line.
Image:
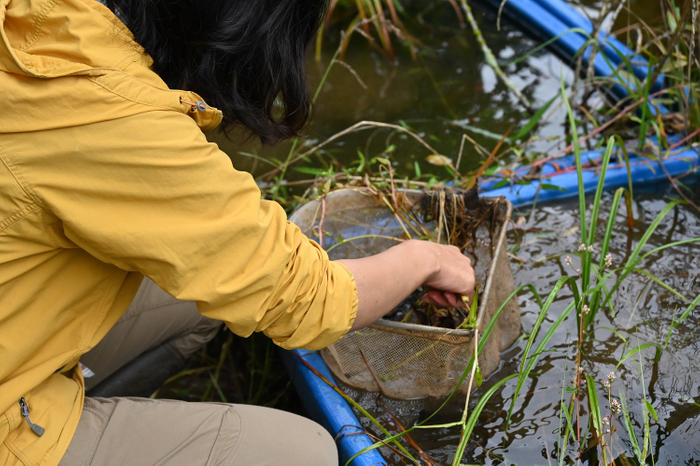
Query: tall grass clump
[[594, 283]]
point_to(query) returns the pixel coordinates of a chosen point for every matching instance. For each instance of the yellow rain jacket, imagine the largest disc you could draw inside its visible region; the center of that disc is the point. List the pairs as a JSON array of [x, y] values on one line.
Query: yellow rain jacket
[[106, 176]]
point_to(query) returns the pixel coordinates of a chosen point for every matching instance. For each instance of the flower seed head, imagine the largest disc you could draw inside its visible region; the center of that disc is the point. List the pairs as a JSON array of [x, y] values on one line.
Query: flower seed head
[[608, 260], [582, 247], [606, 385], [590, 248], [568, 261], [615, 407]]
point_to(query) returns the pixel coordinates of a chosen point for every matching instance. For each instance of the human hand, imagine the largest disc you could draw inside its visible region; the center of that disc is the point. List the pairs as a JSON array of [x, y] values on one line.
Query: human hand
[[383, 280], [452, 280]]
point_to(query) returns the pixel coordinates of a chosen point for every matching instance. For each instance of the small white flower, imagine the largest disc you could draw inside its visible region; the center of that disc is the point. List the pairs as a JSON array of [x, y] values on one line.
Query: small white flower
[[607, 431], [590, 248], [578, 271], [606, 385], [568, 261], [606, 420], [580, 370], [582, 247], [585, 310], [608, 260], [611, 376], [615, 407]]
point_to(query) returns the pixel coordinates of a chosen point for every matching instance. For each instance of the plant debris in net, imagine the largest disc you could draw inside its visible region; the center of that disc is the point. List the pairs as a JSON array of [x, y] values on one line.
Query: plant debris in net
[[457, 215]]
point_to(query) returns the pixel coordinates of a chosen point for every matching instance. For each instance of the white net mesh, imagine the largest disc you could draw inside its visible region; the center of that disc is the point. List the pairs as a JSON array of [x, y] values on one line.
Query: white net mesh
[[404, 360]]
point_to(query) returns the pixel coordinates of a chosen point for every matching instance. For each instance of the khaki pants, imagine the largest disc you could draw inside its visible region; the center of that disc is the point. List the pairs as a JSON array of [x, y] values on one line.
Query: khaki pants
[[143, 431]]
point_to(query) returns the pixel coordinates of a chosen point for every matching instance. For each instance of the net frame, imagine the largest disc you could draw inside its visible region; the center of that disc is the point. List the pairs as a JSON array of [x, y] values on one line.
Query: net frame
[[407, 360]]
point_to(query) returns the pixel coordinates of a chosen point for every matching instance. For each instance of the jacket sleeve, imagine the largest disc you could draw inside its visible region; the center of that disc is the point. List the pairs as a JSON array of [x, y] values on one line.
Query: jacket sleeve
[[148, 193]]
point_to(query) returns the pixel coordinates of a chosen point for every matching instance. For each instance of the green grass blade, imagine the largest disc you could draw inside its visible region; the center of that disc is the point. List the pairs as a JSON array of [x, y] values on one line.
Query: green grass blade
[[581, 191], [632, 261], [661, 283], [604, 248], [525, 369], [634, 351], [532, 122], [688, 310], [594, 404], [669, 245], [471, 423], [599, 190], [568, 432], [630, 429]]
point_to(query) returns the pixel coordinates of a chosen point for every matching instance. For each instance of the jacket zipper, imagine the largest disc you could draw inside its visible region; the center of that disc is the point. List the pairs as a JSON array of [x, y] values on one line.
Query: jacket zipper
[[37, 429]]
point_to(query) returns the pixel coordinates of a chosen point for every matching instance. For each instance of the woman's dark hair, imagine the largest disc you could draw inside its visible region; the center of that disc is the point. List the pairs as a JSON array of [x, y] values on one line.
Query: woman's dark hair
[[245, 57]]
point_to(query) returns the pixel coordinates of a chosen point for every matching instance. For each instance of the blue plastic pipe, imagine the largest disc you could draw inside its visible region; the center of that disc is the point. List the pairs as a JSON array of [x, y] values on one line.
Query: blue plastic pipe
[[329, 408], [547, 19], [643, 171]]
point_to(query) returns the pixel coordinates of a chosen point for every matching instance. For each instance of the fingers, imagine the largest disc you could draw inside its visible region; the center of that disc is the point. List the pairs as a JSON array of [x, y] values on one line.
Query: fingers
[[443, 298]]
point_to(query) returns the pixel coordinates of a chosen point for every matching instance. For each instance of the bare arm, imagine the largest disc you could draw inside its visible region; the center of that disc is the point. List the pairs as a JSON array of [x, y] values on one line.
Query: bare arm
[[385, 279]]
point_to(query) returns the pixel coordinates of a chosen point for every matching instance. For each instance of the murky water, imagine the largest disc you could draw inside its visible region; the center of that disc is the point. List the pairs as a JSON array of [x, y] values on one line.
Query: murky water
[[447, 89]]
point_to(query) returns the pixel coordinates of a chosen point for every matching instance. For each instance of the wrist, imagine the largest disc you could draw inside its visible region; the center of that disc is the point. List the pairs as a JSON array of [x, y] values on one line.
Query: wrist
[[424, 256]]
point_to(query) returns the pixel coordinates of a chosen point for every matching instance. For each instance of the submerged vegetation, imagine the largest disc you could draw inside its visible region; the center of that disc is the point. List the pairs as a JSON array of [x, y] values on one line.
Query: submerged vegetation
[[585, 338]]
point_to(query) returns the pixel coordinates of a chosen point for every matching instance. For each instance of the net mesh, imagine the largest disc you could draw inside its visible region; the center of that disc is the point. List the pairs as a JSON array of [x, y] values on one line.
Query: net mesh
[[404, 360]]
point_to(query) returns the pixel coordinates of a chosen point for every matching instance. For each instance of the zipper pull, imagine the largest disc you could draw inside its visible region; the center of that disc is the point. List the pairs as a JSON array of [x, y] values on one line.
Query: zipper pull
[[38, 430]]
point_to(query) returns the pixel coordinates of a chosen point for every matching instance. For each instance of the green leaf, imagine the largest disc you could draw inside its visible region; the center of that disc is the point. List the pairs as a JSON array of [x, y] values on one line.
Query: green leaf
[[635, 351], [310, 171], [652, 411], [630, 429], [535, 119], [416, 168], [671, 18], [474, 308], [552, 187], [502, 183]]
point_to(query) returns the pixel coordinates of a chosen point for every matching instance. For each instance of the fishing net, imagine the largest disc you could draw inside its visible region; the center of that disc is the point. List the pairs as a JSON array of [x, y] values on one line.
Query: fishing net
[[407, 359]]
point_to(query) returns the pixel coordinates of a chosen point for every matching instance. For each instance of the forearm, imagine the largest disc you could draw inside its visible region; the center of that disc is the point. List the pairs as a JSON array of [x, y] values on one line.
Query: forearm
[[385, 279]]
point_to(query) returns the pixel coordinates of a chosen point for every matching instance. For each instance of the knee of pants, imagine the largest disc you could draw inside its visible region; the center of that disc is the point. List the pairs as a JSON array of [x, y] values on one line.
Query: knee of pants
[[273, 437], [141, 431], [198, 335]]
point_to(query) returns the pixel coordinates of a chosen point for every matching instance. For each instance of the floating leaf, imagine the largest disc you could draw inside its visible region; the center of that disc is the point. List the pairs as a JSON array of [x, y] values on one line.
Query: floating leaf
[[439, 160]]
